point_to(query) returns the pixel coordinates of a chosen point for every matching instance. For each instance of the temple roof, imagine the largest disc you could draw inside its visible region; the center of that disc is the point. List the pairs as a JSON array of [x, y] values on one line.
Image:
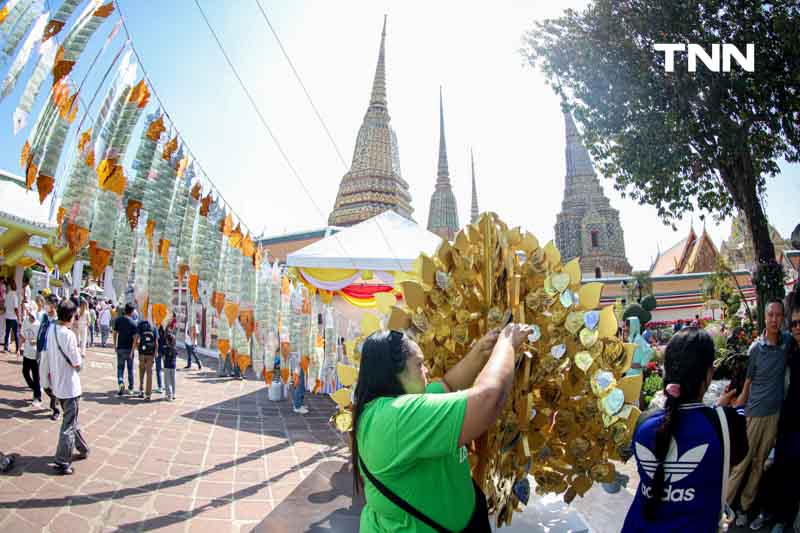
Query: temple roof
[[374, 182], [689, 255], [443, 213]]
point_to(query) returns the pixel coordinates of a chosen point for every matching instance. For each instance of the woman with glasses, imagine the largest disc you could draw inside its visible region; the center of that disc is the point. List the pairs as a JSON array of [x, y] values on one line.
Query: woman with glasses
[[409, 436]]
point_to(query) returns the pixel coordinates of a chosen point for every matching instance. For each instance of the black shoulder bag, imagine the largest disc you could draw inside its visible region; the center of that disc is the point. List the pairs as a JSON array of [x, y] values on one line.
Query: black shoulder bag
[[478, 522]]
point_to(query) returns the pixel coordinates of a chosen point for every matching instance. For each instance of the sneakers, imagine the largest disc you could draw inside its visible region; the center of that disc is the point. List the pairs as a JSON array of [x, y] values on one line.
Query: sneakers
[[147, 398], [741, 519], [302, 410], [141, 394], [36, 404], [55, 416], [121, 390], [64, 470], [7, 463], [83, 455], [157, 390], [759, 522]]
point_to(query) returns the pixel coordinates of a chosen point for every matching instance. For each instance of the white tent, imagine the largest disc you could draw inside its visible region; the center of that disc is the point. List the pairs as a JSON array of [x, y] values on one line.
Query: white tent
[[385, 242]]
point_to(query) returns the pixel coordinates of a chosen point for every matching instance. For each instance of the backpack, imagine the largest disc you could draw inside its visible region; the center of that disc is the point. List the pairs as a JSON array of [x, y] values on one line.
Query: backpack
[[147, 343], [41, 336]]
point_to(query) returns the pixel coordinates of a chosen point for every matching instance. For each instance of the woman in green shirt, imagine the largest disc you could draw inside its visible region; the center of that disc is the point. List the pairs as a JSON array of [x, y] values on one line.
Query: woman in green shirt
[[410, 436]]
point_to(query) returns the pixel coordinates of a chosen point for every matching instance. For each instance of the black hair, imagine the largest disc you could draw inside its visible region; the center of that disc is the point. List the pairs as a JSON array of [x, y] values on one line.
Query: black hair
[[383, 357], [129, 308], [775, 301], [66, 310], [688, 356], [52, 300]]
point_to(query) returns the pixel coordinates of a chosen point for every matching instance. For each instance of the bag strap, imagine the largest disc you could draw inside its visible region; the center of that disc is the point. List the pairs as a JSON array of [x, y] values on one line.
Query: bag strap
[[726, 456], [400, 502], [58, 345]]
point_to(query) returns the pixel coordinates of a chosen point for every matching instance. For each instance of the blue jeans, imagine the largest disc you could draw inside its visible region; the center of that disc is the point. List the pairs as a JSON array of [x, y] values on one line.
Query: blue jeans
[[125, 358], [159, 358], [11, 327], [190, 352], [103, 335], [299, 393]]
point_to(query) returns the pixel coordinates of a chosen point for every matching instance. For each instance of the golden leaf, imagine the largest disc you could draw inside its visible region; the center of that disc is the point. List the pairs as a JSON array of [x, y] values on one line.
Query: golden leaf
[[632, 387], [248, 247], [226, 225], [608, 322], [573, 268], [235, 239], [148, 232], [589, 295], [196, 191], [247, 320], [77, 237], [163, 251], [182, 270], [218, 301], [384, 301], [30, 175], [242, 361], [551, 254], [224, 346], [3, 13], [90, 159], [160, 313], [62, 69], [341, 397], [231, 311]]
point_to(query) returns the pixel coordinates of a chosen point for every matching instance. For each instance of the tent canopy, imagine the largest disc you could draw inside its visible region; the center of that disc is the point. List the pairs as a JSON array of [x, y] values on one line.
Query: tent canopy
[[386, 241]]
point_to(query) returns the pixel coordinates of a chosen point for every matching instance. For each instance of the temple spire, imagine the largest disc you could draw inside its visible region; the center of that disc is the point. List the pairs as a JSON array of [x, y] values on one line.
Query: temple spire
[[474, 210], [443, 172], [374, 182], [378, 97], [443, 213]]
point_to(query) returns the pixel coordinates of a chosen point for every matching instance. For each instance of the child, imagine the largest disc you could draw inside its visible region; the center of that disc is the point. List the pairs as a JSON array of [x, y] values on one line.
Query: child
[[170, 354], [30, 359]]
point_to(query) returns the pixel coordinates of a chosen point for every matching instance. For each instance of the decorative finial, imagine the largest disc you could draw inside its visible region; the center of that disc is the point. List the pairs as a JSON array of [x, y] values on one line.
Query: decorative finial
[[443, 170], [474, 209], [378, 98]]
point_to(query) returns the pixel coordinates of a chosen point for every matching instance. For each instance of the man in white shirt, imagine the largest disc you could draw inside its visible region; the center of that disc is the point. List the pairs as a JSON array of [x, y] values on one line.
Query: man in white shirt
[[12, 316], [105, 323], [64, 363]]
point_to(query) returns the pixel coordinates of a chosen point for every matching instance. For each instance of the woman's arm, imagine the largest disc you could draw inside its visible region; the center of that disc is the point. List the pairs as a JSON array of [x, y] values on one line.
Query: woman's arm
[[745, 393], [486, 398], [463, 375]]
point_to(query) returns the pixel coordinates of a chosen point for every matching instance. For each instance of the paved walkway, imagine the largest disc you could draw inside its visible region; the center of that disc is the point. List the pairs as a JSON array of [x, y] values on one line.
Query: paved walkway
[[219, 458]]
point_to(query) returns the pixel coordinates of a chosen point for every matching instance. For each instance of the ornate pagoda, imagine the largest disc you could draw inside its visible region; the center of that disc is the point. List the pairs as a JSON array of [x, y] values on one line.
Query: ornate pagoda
[[587, 226], [373, 184], [443, 214]]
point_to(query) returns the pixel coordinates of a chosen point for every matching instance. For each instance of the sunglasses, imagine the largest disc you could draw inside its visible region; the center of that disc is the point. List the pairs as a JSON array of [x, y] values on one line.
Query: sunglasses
[[794, 324]]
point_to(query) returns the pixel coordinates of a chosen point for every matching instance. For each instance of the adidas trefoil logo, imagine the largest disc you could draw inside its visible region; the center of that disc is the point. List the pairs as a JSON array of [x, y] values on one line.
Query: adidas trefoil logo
[[675, 468]]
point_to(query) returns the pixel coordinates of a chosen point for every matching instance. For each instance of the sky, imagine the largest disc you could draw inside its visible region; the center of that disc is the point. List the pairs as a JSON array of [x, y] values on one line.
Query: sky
[[494, 103]]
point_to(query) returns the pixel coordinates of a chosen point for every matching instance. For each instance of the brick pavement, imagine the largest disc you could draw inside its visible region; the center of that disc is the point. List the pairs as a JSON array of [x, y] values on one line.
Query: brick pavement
[[219, 458]]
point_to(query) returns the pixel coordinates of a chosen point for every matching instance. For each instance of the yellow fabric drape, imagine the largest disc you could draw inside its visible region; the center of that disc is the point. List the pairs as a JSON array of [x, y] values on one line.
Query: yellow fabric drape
[[329, 274], [369, 303]]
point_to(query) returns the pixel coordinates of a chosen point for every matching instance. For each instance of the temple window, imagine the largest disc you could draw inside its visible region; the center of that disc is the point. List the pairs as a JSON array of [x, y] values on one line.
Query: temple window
[[595, 238]]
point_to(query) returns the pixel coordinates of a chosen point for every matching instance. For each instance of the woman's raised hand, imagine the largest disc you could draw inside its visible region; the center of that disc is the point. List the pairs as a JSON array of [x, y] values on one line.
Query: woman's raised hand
[[516, 334]]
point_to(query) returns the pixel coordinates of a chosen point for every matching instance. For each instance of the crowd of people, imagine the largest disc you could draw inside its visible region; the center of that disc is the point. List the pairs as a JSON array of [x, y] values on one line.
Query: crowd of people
[[52, 335]]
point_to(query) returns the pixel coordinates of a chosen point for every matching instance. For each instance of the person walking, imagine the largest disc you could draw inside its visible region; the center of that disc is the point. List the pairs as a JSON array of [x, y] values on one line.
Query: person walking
[[12, 316], [104, 319], [762, 396], [680, 450], [92, 323], [30, 360], [299, 393], [81, 326], [46, 323], [148, 346], [65, 362], [125, 341], [170, 355], [192, 331]]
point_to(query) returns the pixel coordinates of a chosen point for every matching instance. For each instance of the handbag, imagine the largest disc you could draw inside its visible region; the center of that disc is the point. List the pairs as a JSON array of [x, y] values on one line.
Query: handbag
[[478, 522]]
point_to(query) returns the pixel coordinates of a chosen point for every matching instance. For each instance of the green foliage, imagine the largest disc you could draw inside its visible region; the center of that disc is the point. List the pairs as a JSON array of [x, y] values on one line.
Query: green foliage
[[680, 140], [637, 310], [720, 285], [652, 384], [649, 302]]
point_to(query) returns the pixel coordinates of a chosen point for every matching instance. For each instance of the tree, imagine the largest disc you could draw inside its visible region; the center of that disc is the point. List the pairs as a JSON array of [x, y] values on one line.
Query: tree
[[681, 140]]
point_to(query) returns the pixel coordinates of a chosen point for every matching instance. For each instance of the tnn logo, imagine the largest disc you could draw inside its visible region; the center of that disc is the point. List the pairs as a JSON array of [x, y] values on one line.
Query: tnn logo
[[747, 61]]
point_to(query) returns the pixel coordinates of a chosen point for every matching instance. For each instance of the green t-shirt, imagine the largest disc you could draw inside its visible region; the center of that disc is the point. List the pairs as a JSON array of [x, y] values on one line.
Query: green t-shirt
[[410, 444]]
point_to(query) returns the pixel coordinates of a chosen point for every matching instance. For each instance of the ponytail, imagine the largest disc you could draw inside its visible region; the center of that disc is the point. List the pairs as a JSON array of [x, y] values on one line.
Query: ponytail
[[689, 355]]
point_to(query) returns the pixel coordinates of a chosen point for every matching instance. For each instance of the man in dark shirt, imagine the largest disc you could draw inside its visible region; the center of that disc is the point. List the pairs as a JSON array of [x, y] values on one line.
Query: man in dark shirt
[[126, 338]]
